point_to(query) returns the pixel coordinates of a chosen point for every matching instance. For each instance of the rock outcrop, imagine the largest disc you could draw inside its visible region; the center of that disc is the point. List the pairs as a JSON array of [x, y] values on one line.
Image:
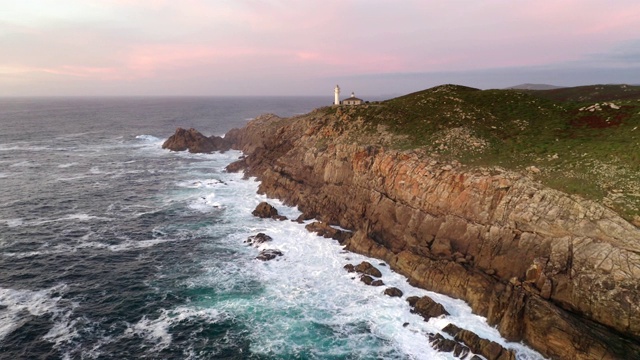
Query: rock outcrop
[[489, 349], [443, 344], [426, 307], [257, 239], [265, 210], [393, 292], [195, 142], [556, 271]]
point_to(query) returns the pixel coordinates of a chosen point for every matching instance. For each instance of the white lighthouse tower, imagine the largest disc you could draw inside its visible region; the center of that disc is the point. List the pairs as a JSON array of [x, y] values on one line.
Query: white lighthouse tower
[[337, 95]]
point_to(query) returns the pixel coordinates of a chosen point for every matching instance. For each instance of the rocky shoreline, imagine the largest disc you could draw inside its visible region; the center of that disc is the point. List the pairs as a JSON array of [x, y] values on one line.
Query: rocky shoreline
[[557, 272], [464, 341]]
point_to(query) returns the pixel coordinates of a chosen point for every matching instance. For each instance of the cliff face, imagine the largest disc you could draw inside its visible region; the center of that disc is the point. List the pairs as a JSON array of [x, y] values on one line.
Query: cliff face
[[558, 272]]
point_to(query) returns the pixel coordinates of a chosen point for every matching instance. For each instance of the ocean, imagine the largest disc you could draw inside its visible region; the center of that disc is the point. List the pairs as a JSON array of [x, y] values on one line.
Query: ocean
[[113, 248]]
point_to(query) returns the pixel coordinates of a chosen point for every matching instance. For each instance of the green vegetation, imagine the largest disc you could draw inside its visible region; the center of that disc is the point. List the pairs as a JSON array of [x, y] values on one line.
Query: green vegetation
[[583, 140]]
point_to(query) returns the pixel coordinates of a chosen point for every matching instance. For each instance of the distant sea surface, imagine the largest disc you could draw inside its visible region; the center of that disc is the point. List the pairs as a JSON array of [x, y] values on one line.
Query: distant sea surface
[[112, 248]]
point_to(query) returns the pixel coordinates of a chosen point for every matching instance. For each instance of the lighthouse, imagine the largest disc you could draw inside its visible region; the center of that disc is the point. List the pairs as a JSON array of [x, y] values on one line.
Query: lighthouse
[[337, 95]]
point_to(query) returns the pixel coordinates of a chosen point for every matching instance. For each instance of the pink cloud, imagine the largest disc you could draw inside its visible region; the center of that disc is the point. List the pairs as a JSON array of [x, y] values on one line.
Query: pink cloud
[[104, 73]]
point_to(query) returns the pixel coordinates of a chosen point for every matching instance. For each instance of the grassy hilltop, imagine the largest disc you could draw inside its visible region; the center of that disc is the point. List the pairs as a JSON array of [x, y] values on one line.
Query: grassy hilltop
[[582, 140]]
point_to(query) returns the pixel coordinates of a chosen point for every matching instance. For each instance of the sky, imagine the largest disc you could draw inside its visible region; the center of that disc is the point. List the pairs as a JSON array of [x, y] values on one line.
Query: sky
[[306, 47]]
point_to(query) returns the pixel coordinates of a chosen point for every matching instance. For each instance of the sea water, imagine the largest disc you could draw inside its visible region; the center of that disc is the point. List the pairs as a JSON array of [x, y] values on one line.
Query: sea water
[[112, 248]]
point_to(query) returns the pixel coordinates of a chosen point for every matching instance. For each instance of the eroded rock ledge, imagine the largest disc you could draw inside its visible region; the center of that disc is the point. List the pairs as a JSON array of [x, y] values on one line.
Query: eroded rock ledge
[[555, 271]]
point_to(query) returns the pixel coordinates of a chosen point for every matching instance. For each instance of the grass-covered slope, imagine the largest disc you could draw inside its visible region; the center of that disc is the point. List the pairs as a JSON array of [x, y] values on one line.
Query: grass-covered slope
[[590, 93], [582, 140]]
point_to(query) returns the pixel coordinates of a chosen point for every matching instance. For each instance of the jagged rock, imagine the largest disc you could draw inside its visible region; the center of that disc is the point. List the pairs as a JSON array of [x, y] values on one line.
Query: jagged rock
[[258, 239], [324, 230], [487, 348], [265, 210], [443, 344], [269, 254], [236, 166], [426, 307], [393, 292], [368, 269], [195, 142]]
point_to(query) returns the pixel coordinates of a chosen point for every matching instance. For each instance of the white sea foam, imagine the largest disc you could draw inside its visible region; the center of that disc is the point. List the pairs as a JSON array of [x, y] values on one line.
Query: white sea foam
[[198, 184], [69, 248], [19, 305], [67, 165], [157, 330], [13, 222], [96, 171], [149, 138], [25, 164], [72, 178], [69, 217], [22, 147]]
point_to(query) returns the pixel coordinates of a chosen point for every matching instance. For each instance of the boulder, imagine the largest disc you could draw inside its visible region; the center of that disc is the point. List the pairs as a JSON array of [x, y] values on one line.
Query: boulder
[[265, 210], [195, 142], [368, 269], [350, 268], [258, 239], [426, 307], [366, 279], [393, 292], [269, 254], [370, 281]]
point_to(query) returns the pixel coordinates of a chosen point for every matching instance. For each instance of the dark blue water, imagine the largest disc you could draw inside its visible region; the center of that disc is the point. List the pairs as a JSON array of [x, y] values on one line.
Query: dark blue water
[[112, 248]]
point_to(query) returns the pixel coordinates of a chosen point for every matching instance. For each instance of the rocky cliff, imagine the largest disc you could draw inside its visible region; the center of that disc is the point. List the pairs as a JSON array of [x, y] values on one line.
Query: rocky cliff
[[555, 271]]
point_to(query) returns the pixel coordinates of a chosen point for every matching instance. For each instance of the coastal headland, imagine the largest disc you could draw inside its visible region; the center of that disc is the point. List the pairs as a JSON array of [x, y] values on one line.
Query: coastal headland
[[520, 203]]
